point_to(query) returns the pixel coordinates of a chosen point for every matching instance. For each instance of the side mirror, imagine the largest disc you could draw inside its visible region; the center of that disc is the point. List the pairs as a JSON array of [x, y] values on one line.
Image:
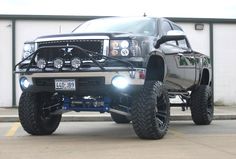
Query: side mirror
[[172, 35]]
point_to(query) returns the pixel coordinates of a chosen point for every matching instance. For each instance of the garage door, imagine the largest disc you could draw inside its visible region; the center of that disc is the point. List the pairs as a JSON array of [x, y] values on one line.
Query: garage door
[[5, 63], [225, 63]]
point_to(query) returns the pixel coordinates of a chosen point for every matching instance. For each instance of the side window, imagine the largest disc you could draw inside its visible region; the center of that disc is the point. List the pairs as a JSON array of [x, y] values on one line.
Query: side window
[[181, 43], [167, 27]]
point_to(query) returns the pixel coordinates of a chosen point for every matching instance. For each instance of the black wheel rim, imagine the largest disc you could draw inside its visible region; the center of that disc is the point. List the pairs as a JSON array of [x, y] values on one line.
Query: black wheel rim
[[210, 106], [161, 113], [47, 107]]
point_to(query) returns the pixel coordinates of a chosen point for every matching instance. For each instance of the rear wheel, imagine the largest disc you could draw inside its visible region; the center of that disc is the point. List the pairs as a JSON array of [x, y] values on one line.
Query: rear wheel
[[151, 111], [34, 113], [202, 108]]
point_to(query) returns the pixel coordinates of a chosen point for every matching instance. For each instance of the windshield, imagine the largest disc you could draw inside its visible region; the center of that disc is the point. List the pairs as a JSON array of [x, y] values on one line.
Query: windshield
[[143, 26]]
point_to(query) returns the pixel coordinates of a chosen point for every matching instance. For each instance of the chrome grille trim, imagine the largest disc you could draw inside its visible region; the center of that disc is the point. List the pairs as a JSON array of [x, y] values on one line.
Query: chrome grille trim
[[73, 38]]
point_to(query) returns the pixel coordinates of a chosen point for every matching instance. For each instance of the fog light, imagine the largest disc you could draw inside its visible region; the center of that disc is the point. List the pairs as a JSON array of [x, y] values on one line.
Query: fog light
[[58, 63], [75, 62], [120, 82], [41, 63], [24, 83]]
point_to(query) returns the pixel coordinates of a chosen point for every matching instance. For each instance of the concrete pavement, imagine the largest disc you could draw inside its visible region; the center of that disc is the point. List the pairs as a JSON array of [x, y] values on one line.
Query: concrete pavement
[[221, 113], [107, 140]]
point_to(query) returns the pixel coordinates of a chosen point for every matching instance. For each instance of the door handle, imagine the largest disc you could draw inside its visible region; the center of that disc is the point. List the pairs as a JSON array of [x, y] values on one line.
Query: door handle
[[191, 57], [180, 54]]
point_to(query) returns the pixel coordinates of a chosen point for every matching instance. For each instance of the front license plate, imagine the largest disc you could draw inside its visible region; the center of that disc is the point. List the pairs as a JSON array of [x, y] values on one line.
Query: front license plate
[[65, 84]]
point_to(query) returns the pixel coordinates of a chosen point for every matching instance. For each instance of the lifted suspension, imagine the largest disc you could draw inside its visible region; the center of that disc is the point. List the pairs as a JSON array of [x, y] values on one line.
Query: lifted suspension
[[99, 104]]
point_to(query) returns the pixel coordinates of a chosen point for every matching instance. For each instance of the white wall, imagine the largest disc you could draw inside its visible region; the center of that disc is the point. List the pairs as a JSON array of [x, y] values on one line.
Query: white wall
[[5, 63], [225, 63]]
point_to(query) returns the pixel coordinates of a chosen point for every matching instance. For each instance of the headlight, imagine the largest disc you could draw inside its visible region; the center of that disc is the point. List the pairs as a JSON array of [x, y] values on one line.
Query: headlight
[[26, 54], [120, 82], [114, 52], [124, 44], [58, 63], [115, 44], [28, 49], [124, 52], [119, 48]]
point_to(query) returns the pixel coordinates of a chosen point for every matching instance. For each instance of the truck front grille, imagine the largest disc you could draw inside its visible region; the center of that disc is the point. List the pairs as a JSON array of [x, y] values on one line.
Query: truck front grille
[[50, 54]]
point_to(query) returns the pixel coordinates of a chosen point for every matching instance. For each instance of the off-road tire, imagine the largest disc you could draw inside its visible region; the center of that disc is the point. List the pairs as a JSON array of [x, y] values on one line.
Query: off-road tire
[[31, 114], [119, 119], [151, 111], [202, 108]]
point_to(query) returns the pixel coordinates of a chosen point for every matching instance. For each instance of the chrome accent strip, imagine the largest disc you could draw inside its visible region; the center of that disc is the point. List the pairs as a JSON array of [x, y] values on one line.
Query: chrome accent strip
[[35, 46], [106, 47], [73, 38]]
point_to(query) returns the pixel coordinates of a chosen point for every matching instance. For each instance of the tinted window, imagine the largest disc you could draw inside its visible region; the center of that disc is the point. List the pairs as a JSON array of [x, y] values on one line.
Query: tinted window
[[181, 43], [166, 27], [175, 27], [143, 26]]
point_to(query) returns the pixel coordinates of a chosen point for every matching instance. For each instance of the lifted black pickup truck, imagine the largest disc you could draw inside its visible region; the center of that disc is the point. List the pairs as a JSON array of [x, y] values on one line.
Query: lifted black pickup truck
[[126, 66]]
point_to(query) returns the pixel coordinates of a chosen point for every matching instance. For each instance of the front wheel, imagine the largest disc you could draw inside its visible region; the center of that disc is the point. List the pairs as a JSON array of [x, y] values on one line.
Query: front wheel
[[151, 111], [202, 108], [34, 115]]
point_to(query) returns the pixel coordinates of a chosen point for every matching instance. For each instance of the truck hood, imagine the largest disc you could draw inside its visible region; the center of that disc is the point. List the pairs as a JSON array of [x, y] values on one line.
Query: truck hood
[[86, 36]]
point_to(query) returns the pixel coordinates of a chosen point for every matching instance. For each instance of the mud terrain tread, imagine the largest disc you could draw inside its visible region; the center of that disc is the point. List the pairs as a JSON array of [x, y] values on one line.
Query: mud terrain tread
[[199, 100], [30, 116], [143, 111]]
